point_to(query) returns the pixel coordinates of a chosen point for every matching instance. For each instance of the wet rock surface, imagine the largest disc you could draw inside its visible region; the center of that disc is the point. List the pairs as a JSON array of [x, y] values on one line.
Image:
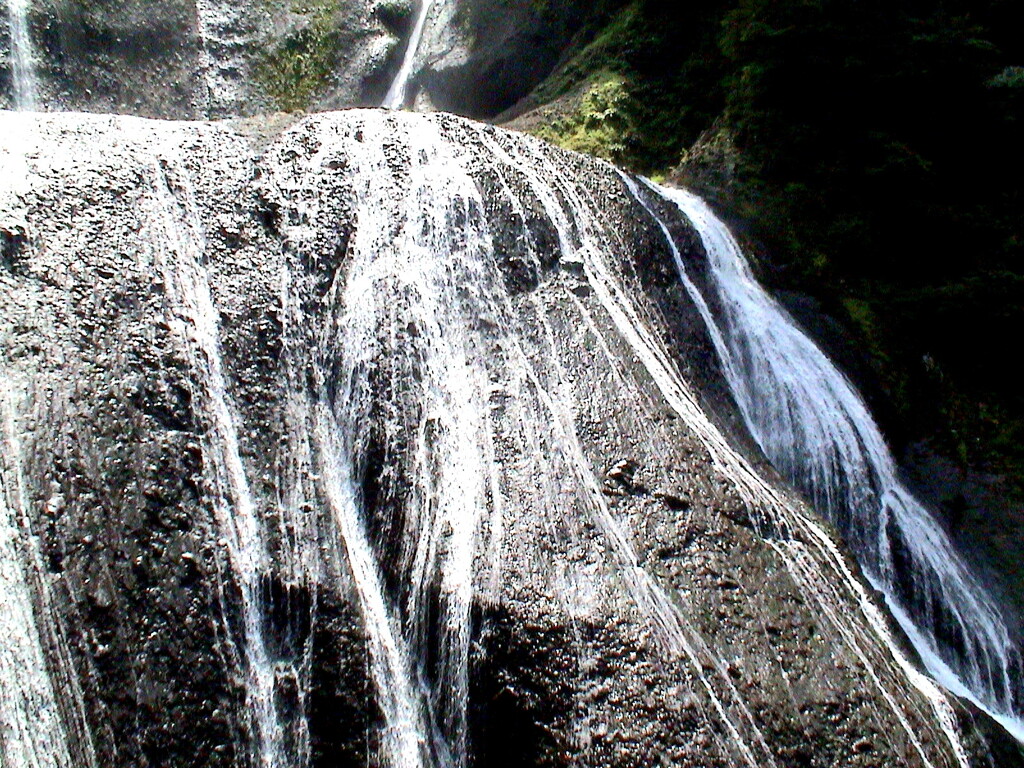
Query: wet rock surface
[[640, 595], [492, 53], [196, 59]]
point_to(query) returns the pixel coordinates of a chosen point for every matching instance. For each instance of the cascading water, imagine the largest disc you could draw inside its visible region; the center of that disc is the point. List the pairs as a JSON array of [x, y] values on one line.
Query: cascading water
[[432, 301], [397, 94], [32, 734], [23, 59], [194, 317], [402, 280], [412, 360], [817, 431], [394, 283], [425, 363]]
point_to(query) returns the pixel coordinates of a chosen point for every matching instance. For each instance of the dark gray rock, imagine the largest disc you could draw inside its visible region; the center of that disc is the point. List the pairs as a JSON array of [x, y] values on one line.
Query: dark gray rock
[[189, 59], [486, 55], [646, 592]]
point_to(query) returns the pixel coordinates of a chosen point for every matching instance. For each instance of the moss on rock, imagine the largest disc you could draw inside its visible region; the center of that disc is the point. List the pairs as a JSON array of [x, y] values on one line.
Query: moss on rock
[[600, 124], [295, 70]]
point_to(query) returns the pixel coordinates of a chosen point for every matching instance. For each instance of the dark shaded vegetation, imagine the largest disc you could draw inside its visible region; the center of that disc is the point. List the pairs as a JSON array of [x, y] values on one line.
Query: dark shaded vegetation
[[881, 166], [879, 161], [666, 66], [871, 153], [880, 157]]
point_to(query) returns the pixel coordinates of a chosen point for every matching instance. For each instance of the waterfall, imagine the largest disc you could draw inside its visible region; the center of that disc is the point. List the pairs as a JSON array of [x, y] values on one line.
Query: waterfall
[[32, 733], [23, 59], [415, 354], [395, 282], [179, 240], [815, 428], [398, 92], [439, 395], [423, 305]]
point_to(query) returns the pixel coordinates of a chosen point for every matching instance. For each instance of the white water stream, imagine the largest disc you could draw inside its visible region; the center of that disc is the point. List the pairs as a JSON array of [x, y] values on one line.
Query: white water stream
[[443, 417], [817, 431], [397, 94], [412, 278], [32, 733], [23, 58], [426, 361], [179, 255]]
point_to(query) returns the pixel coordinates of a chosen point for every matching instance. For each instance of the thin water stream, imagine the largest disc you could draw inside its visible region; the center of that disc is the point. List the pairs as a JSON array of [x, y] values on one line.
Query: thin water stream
[[816, 430], [23, 58], [397, 94]]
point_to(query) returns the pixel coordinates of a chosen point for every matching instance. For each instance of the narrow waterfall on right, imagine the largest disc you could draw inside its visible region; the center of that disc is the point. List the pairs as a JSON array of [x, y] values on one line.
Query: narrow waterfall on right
[[398, 93], [817, 431]]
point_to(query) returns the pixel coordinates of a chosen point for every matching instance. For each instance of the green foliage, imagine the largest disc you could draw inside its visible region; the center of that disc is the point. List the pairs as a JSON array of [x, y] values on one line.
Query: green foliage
[[300, 66], [601, 125], [601, 54], [1011, 77], [394, 9], [667, 61], [877, 160]]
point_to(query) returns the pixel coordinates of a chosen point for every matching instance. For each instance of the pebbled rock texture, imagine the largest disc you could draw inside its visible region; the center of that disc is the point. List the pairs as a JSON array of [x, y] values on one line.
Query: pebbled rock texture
[[195, 59], [640, 589]]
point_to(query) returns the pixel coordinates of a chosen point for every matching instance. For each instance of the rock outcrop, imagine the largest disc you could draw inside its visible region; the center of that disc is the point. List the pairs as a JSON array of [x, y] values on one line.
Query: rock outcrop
[[194, 59], [379, 440]]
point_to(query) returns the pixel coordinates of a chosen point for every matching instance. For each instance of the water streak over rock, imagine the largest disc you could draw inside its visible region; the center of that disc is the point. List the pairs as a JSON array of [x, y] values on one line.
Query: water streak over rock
[[817, 431], [379, 445]]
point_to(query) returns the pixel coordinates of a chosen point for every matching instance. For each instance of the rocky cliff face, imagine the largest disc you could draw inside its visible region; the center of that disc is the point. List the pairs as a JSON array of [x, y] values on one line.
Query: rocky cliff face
[[188, 59], [207, 58], [378, 441], [482, 56]]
